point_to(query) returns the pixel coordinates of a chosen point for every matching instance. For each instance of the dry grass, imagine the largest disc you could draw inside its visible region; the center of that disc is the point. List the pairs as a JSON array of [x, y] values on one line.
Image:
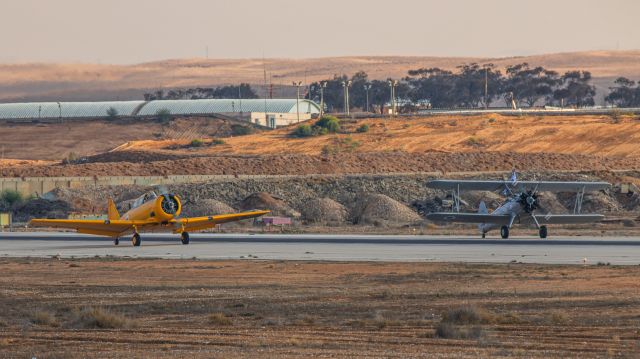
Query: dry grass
[[42, 317], [95, 317], [219, 319]]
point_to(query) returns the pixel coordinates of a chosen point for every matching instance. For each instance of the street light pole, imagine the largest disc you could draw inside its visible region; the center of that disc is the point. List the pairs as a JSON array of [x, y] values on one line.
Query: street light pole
[[323, 85], [367, 87], [345, 86], [393, 84], [60, 112], [297, 85]]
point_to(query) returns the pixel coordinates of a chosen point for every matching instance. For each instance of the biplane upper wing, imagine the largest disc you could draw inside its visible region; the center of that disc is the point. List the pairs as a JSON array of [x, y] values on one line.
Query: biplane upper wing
[[519, 186], [110, 228], [199, 223]]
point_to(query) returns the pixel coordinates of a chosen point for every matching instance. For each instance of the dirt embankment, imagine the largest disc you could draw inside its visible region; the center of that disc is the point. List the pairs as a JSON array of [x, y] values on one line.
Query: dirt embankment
[[595, 135], [342, 163], [204, 309], [55, 141]]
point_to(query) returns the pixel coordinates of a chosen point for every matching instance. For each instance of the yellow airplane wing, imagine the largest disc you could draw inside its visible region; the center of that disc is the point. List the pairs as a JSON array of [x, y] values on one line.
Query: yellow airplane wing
[[110, 228], [200, 223]]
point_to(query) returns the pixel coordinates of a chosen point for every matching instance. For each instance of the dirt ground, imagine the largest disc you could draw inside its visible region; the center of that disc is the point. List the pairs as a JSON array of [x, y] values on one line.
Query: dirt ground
[[91, 137], [204, 309]]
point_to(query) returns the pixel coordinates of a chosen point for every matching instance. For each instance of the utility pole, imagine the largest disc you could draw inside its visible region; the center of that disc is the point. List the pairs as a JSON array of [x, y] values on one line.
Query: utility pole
[[323, 85], [486, 88], [393, 84], [367, 87], [297, 85], [345, 87], [60, 112]]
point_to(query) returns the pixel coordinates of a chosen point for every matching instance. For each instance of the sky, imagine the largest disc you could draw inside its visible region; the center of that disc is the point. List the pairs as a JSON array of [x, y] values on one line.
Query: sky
[[134, 31]]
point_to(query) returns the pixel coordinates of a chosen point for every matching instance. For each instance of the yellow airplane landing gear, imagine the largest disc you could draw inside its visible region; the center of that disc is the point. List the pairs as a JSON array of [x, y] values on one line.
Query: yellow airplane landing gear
[[136, 240], [184, 237]]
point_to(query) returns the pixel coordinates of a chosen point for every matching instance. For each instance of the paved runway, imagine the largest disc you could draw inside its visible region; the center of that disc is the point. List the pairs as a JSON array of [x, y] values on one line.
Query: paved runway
[[567, 250]]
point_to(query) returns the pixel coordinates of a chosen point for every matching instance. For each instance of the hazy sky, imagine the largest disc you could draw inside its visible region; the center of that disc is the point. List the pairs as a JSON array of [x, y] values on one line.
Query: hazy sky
[[132, 31]]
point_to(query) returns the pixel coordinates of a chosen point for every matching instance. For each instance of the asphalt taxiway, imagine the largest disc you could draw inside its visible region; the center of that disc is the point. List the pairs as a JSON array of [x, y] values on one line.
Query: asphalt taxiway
[[557, 250]]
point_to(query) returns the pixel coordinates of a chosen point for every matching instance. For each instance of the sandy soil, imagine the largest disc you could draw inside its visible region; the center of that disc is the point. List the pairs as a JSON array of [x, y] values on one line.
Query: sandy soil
[[596, 135], [25, 82], [203, 309]]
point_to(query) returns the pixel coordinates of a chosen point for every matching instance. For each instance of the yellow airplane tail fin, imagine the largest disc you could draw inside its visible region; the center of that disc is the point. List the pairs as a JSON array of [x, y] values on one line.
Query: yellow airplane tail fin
[[113, 211]]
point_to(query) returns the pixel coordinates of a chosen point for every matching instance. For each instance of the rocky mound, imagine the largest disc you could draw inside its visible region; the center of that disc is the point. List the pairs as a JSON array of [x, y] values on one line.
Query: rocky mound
[[42, 208], [206, 207], [264, 200], [379, 209], [324, 210]]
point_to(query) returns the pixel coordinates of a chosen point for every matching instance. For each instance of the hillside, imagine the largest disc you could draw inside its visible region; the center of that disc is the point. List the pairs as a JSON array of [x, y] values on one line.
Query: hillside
[[591, 135], [444, 143], [35, 82]]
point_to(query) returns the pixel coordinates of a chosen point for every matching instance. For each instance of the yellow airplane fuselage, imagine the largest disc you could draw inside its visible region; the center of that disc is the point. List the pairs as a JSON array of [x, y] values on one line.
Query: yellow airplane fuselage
[[155, 210]]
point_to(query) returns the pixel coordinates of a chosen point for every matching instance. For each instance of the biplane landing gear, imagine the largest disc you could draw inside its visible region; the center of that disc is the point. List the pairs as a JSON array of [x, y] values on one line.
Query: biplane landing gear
[[185, 238], [504, 232], [484, 235], [116, 241], [543, 232], [136, 240]]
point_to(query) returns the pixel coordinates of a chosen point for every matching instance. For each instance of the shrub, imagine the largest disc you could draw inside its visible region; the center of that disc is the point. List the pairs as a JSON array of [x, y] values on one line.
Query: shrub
[[363, 128], [219, 319], [112, 112], [467, 315], [239, 130], [331, 123], [217, 141], [164, 115], [303, 131], [450, 331], [197, 143], [11, 197], [101, 318], [71, 158], [44, 318]]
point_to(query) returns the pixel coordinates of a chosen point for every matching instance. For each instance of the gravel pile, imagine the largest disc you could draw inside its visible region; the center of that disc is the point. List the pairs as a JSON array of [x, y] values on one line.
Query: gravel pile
[[379, 209], [324, 210], [264, 200], [206, 207]]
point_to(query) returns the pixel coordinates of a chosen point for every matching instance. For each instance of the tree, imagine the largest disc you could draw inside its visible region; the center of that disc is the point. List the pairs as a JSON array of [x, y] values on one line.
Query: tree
[[529, 85], [576, 90], [243, 91], [432, 84], [624, 94], [469, 86], [112, 112]]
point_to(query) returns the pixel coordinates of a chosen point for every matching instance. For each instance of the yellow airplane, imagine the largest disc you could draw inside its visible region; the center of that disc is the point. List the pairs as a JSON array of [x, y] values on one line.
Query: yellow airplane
[[150, 213]]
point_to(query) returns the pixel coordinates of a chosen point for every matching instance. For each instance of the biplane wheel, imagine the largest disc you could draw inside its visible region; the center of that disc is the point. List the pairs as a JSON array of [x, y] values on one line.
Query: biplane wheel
[[504, 232], [543, 232], [484, 235], [116, 241], [185, 238], [136, 240]]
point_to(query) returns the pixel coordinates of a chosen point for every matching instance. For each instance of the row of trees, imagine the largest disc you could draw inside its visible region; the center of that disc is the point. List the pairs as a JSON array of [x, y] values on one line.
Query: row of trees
[[472, 85], [243, 91], [625, 93]]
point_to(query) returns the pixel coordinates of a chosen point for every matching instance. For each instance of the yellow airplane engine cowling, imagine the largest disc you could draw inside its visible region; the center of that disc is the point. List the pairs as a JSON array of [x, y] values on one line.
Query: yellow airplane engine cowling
[[167, 207]]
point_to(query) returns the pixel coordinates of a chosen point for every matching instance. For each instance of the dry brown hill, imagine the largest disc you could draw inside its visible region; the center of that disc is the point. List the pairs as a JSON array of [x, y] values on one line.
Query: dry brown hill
[[33, 82]]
